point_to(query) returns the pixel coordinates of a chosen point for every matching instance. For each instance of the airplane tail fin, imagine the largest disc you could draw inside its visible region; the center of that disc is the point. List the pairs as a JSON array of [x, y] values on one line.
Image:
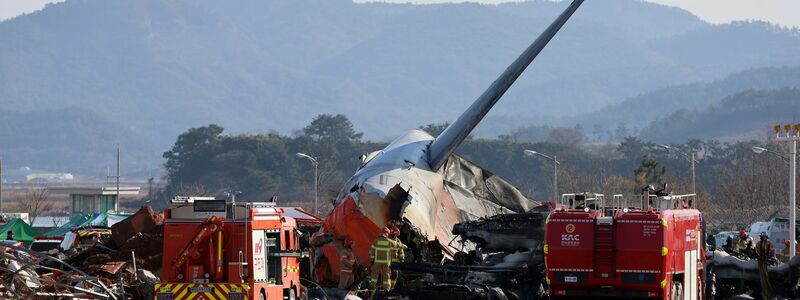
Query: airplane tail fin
[[447, 142]]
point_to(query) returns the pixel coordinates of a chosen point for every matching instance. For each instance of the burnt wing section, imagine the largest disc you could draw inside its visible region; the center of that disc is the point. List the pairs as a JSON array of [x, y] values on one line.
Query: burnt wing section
[[479, 192]]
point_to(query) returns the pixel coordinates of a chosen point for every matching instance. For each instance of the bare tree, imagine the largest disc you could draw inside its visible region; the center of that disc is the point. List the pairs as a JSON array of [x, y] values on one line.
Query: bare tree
[[60, 216], [35, 202], [751, 189], [193, 189], [598, 178], [567, 136]]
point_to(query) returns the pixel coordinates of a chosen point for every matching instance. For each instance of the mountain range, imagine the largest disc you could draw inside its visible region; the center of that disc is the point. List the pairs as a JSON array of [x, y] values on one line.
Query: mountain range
[[155, 68], [750, 114]]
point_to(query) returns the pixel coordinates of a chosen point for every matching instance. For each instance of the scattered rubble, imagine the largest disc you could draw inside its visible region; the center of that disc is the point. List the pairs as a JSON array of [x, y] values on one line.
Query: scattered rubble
[[143, 220], [124, 264]]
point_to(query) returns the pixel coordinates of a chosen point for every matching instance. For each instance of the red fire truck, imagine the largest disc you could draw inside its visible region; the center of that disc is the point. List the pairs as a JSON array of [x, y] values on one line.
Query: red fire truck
[[655, 250], [216, 249]]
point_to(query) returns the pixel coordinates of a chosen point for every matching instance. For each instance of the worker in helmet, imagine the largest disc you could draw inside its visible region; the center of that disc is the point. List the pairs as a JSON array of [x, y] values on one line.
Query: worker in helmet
[[381, 254], [398, 252], [742, 236], [766, 255], [784, 256], [745, 245], [347, 261]]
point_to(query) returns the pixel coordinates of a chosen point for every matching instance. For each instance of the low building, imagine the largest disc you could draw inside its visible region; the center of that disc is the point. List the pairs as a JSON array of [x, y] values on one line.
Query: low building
[[91, 200]]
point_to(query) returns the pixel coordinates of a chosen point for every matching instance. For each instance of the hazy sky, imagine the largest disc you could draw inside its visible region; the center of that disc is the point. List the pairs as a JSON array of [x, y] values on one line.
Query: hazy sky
[[784, 12]]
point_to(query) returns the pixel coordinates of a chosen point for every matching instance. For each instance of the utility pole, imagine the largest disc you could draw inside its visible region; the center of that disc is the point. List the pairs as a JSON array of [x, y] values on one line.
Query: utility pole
[[1, 186], [116, 203], [791, 135]]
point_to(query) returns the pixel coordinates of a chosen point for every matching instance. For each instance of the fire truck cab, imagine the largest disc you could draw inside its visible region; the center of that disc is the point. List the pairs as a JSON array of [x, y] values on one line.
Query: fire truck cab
[[653, 251], [219, 249]]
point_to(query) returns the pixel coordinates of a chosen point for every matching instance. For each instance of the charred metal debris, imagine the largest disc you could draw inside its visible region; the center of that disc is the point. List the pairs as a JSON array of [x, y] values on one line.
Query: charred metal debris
[[502, 258], [120, 262]]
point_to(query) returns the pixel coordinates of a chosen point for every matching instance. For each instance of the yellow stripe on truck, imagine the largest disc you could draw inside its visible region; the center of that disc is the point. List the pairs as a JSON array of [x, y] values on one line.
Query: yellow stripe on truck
[[220, 295], [182, 295], [219, 290]]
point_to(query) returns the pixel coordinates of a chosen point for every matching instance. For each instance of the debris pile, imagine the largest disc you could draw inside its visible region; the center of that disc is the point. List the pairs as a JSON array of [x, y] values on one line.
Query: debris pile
[[506, 263], [121, 262]]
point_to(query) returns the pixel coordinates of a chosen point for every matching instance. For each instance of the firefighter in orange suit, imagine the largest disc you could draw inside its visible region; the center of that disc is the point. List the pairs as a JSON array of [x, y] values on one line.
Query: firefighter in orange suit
[[347, 261], [381, 254]]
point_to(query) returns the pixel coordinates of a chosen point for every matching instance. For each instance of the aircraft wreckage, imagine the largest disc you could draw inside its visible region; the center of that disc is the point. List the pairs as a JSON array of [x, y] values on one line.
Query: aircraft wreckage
[[418, 184]]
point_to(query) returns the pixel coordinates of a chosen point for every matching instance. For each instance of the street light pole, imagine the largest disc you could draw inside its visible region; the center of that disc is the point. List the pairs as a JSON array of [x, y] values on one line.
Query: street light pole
[[792, 195], [555, 178], [759, 150], [792, 172], [315, 166], [792, 135], [692, 159], [555, 169]]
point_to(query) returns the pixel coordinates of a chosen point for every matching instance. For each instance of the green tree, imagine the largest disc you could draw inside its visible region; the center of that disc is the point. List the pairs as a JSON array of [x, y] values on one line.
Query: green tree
[[191, 152], [337, 128], [649, 173]]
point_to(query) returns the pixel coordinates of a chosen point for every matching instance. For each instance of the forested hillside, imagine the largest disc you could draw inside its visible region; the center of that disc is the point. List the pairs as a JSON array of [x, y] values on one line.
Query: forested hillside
[[639, 111], [751, 112]]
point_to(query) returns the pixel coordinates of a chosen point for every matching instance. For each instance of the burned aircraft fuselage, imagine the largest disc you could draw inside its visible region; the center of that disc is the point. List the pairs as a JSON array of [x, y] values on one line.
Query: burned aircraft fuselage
[[424, 204]]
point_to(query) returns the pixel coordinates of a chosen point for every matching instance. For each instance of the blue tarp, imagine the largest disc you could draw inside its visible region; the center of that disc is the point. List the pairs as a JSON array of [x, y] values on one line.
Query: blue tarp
[[76, 221], [96, 219]]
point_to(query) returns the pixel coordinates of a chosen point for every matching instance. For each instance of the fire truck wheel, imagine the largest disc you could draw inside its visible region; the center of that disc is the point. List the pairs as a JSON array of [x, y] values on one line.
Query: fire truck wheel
[[677, 291], [292, 294], [261, 295]]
